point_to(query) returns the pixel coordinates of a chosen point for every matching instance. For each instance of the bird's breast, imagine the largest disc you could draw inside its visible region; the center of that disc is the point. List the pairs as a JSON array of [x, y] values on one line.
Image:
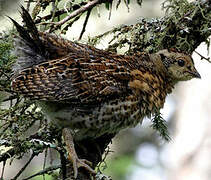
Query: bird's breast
[[109, 117], [150, 88]]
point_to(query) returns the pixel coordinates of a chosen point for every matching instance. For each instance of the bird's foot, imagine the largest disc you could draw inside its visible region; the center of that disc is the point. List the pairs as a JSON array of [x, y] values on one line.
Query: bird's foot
[[72, 155], [77, 163]]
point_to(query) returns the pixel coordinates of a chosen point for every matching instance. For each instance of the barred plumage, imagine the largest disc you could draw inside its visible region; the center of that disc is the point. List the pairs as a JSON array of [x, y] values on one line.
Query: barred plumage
[[90, 90]]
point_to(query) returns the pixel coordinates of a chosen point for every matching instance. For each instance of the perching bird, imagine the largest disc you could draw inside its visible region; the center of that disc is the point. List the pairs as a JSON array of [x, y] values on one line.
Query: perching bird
[[92, 91]]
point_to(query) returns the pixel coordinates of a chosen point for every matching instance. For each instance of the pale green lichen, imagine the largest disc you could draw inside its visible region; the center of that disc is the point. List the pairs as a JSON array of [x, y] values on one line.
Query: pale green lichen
[[184, 27]]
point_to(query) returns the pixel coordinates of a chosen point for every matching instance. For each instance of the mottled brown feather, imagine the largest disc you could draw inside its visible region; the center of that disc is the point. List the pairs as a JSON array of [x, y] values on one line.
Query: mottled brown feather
[[93, 90]]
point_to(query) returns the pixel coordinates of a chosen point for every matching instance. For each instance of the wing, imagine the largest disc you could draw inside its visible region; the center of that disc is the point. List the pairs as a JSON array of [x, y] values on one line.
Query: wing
[[76, 78], [54, 69]]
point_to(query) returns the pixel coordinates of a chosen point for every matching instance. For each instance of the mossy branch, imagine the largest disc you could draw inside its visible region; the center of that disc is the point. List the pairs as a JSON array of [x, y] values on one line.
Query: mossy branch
[[184, 27]]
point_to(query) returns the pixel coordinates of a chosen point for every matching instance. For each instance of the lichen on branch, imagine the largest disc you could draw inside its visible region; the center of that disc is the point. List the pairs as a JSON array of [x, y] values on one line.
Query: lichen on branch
[[184, 27]]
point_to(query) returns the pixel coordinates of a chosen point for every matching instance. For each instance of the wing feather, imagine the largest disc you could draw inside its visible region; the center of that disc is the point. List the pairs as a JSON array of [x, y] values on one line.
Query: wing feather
[[74, 79]]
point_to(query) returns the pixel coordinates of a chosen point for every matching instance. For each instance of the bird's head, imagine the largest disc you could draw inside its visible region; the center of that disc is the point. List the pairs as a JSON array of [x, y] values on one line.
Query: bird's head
[[178, 66]]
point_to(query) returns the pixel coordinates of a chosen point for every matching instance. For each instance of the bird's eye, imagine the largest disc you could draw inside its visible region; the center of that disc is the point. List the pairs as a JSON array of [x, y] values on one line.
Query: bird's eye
[[181, 62]]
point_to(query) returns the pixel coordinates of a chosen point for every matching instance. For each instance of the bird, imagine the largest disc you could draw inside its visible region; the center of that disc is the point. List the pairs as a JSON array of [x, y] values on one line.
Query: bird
[[88, 91]]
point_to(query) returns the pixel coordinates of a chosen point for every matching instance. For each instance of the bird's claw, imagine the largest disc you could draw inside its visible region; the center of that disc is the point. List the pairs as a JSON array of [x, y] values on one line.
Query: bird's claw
[[77, 163], [72, 155]]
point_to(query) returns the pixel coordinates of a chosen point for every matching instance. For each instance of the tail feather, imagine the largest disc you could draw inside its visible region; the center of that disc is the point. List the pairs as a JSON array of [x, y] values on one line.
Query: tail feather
[[32, 29], [33, 47], [28, 46], [22, 31]]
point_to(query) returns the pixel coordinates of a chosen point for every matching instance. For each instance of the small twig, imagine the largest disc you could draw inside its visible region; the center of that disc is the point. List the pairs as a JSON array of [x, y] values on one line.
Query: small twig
[[118, 3], [46, 23], [106, 152], [65, 6], [2, 172], [85, 23], [45, 171], [16, 149], [44, 164], [69, 24], [14, 108], [28, 5], [63, 164], [10, 98], [8, 77], [89, 5], [8, 90], [109, 17], [58, 13], [81, 10], [98, 12], [127, 5], [25, 166], [47, 17], [53, 11], [202, 57]]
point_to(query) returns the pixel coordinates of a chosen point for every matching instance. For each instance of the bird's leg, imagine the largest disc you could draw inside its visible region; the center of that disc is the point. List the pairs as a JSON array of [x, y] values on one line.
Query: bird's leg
[[72, 155]]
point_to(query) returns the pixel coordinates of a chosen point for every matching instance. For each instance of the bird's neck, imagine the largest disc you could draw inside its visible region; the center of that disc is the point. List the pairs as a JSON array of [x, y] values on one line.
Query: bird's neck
[[160, 69], [151, 84]]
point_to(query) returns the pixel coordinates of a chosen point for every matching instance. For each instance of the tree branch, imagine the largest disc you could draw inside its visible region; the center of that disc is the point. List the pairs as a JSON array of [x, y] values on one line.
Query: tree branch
[[84, 8], [24, 167], [184, 27], [58, 13], [75, 13], [85, 23], [44, 171]]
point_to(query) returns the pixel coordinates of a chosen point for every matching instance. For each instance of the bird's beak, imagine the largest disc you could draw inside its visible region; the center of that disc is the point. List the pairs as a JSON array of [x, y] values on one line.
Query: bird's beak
[[195, 74]]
